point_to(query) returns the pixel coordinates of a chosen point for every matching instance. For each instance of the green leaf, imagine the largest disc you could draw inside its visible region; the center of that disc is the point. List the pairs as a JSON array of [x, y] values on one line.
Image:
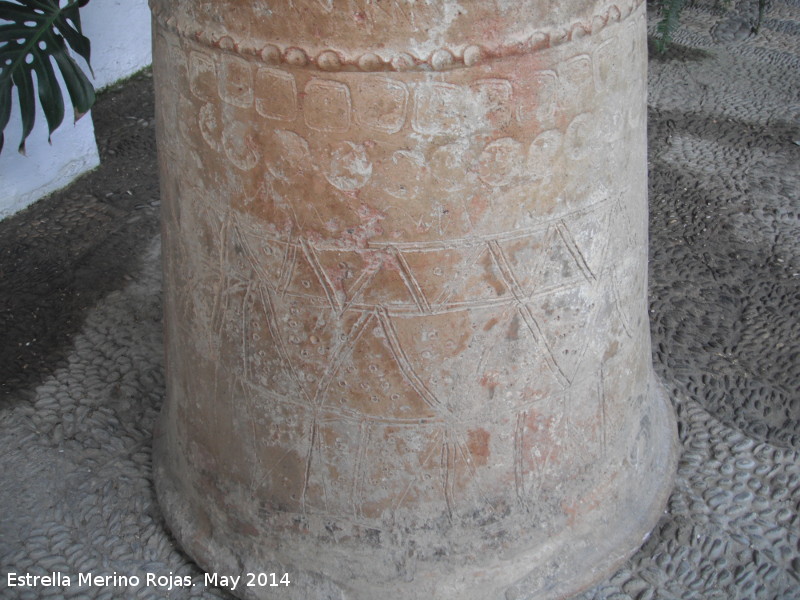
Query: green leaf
[[670, 11], [762, 7], [33, 35], [5, 110]]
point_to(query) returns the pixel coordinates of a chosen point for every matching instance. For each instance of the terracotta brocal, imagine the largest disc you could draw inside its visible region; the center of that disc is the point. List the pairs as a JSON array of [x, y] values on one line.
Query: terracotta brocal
[[405, 246]]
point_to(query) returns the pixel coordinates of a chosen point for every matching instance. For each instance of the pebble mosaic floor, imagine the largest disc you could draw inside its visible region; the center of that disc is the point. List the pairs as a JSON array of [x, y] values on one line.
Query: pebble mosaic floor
[[76, 418]]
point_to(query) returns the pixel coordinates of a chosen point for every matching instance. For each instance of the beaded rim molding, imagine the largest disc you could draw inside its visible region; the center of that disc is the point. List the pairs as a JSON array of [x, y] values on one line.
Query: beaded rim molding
[[442, 59]]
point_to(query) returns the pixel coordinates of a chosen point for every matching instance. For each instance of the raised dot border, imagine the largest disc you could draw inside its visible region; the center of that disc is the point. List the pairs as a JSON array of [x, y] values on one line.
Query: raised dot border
[[441, 59]]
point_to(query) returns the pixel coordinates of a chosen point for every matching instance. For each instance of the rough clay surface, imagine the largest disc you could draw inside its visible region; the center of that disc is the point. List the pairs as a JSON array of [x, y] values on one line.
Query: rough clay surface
[[81, 364], [406, 313]]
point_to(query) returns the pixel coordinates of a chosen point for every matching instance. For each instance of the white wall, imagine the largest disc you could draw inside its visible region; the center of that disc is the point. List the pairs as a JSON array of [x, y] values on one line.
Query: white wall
[[120, 34], [119, 31], [44, 168]]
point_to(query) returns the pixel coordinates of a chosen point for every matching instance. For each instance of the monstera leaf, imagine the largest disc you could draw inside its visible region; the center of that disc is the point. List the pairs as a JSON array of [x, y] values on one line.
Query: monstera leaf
[[32, 32]]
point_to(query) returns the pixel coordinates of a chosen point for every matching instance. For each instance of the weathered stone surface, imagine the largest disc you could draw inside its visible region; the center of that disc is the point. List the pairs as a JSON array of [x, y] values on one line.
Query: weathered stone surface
[[405, 254]]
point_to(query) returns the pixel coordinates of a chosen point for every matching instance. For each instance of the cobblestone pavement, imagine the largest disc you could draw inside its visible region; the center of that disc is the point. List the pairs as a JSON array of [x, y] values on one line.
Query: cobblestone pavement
[[81, 363]]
